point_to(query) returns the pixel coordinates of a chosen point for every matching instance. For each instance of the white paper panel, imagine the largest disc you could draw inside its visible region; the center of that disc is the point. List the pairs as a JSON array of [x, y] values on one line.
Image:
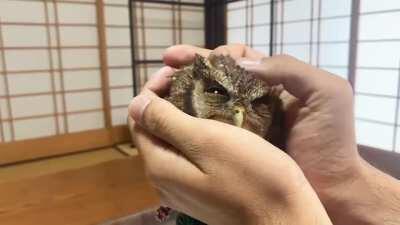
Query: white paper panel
[[334, 54], [296, 32], [119, 57], [379, 54], [28, 11], [120, 77], [27, 60], [261, 35], [158, 17], [383, 108], [1, 62], [7, 131], [236, 5], [86, 121], [32, 106], [2, 86], [33, 128], [153, 37], [29, 83], [87, 36], [381, 82], [80, 58], [115, 2], [78, 80], [261, 14], [335, 29], [374, 5], [297, 10], [379, 26], [236, 36], [192, 19], [119, 116], [193, 37], [77, 13], [4, 109], [121, 96], [236, 18], [374, 135], [331, 8], [61, 124], [60, 103], [117, 15], [83, 101], [117, 36], [154, 53], [22, 36]]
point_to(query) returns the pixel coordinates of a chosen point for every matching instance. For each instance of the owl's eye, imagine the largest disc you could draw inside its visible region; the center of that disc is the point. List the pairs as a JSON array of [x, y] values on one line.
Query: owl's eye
[[216, 89]]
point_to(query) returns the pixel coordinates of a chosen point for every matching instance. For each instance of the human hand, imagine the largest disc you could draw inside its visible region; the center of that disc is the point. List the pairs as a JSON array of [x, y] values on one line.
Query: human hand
[[318, 105], [226, 175], [320, 134]]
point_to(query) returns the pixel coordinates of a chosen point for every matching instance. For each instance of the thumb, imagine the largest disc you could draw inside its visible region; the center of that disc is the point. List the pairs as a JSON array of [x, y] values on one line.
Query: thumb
[[163, 120], [298, 78]]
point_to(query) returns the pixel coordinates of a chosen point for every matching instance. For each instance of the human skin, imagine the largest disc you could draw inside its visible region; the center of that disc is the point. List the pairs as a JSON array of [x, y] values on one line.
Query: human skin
[[321, 140], [216, 172]]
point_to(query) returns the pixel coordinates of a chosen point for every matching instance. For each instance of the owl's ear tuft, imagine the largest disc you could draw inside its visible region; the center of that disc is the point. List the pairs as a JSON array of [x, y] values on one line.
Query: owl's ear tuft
[[199, 66]]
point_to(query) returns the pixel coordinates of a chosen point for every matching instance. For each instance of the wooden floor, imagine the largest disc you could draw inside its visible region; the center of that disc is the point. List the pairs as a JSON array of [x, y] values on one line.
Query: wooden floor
[[81, 189]]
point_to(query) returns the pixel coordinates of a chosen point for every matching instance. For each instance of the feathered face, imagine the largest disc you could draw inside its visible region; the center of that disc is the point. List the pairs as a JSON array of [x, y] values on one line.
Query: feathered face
[[216, 88]]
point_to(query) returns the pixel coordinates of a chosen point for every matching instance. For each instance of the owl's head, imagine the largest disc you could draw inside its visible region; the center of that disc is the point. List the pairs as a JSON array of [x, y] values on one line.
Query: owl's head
[[216, 88]]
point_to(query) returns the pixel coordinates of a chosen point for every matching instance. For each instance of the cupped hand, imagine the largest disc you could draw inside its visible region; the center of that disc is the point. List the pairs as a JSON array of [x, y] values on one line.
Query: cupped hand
[[319, 116], [216, 172], [318, 105]]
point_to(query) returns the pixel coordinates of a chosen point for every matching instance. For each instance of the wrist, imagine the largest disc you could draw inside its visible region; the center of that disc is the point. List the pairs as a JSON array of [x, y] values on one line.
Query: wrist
[[371, 197], [297, 204]]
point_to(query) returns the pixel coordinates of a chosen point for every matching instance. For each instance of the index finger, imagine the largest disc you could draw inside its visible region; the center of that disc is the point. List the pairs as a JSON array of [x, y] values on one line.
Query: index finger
[[298, 78], [238, 51], [179, 55]]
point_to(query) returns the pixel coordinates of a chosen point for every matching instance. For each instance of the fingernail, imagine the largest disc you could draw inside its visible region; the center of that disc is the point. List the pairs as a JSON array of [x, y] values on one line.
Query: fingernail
[[138, 106]]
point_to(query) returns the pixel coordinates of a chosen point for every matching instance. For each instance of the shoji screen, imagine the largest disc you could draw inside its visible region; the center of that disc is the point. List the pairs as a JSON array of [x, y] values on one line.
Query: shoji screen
[[47, 71], [249, 22], [319, 32], [315, 31], [51, 80], [377, 74], [158, 26], [118, 58]]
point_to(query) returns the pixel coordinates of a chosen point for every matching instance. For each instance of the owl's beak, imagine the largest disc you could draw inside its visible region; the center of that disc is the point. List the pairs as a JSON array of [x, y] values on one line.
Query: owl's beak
[[238, 117]]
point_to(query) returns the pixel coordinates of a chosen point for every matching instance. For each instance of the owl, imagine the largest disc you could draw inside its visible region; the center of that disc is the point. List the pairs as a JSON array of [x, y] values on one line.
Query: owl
[[217, 88]]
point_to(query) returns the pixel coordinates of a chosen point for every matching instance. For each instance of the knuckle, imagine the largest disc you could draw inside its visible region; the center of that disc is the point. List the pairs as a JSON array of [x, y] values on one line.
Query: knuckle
[[341, 86], [278, 62]]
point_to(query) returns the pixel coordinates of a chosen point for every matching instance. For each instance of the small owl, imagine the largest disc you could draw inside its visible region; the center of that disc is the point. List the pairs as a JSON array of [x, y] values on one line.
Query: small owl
[[216, 88]]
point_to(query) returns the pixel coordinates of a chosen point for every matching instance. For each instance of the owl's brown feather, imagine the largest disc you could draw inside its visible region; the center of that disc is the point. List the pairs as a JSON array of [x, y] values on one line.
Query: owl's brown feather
[[217, 88]]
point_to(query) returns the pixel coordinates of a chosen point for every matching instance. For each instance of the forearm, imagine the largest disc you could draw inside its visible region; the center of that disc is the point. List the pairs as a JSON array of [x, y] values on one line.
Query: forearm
[[372, 199]]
